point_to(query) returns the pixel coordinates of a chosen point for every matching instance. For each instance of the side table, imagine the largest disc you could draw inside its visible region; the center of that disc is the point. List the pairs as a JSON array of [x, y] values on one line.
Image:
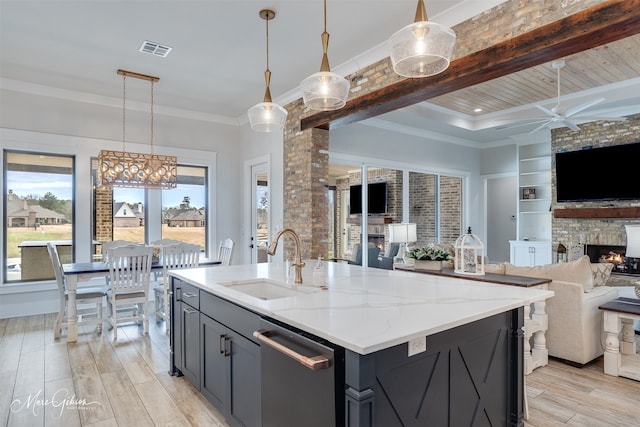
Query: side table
[[620, 358]]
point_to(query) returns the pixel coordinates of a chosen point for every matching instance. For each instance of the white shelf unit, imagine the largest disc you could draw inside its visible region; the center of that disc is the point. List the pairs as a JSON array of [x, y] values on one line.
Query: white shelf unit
[[534, 193]]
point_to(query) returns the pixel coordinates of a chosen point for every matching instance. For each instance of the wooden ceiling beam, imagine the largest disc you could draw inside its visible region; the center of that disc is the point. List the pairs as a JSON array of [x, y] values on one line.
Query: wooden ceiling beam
[[601, 24]]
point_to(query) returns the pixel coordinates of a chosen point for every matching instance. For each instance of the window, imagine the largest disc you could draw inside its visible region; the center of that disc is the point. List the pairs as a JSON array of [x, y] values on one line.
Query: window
[[39, 203], [184, 208], [121, 213]]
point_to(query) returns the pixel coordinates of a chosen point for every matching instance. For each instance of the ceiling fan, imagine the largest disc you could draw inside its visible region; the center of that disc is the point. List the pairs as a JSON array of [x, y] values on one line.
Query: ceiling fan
[[557, 116]]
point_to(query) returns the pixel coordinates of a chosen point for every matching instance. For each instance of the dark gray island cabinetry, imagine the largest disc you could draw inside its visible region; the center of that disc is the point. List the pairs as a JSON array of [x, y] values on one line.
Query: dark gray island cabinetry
[[223, 363], [377, 348]]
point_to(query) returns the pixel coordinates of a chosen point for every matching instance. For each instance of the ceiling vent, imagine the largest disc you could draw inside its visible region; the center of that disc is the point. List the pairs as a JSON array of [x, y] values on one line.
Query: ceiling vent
[[154, 49]]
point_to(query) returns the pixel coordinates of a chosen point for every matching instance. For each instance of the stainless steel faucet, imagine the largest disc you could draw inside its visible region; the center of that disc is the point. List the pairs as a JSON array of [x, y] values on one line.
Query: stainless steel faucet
[[298, 264]]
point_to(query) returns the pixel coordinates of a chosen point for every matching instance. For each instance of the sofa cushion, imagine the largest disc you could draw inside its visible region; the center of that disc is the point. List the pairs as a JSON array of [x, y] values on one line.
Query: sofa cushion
[[601, 272], [578, 271], [495, 268]]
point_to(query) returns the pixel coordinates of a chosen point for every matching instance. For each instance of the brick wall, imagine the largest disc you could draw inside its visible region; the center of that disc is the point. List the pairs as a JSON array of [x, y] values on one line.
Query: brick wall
[[592, 231], [305, 159], [104, 215]]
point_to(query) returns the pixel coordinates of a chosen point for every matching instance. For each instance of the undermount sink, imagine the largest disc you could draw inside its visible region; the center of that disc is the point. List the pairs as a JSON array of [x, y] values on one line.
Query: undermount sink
[[265, 289]]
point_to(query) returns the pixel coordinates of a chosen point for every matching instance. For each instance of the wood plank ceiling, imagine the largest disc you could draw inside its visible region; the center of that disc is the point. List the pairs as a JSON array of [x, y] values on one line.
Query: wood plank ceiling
[[599, 66]]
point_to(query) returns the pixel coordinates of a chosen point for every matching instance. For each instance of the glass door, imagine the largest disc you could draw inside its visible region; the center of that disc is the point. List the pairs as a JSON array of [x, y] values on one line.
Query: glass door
[[259, 213]]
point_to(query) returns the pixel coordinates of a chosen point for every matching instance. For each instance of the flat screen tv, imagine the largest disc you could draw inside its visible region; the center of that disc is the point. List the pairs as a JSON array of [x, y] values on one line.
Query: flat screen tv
[[606, 173], [377, 198]]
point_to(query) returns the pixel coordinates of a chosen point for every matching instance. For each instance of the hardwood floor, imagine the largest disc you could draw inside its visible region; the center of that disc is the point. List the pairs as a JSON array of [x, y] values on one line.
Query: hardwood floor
[[96, 382]]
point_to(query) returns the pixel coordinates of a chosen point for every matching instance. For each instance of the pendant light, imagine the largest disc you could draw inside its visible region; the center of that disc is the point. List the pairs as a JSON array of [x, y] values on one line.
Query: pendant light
[[136, 170], [267, 116], [325, 91], [423, 48]]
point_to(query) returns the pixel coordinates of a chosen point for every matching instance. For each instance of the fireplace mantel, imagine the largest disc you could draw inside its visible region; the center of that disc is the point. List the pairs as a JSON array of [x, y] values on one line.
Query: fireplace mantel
[[626, 212]]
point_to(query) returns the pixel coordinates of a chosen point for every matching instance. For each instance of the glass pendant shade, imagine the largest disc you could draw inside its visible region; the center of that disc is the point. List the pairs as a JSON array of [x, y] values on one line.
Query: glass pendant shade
[[325, 91], [267, 117], [421, 49]]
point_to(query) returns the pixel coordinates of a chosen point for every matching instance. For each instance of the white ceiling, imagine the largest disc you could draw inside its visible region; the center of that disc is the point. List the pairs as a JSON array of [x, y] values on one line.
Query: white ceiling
[[72, 49]]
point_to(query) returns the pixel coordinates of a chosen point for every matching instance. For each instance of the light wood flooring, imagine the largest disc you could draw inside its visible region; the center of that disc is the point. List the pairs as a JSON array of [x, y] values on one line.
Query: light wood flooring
[[126, 383]]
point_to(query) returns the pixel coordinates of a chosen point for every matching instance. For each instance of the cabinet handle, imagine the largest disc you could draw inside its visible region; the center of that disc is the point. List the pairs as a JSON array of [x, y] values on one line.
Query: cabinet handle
[[188, 295], [223, 345], [190, 310], [314, 363]]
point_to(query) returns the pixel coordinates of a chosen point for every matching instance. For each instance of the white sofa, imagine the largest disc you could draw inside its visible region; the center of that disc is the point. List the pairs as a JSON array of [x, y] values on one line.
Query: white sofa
[[575, 332]]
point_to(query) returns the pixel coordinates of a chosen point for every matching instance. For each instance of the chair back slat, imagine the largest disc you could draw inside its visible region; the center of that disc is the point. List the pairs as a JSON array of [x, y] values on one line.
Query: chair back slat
[[183, 255], [163, 243], [106, 246], [129, 268], [57, 266], [224, 251]]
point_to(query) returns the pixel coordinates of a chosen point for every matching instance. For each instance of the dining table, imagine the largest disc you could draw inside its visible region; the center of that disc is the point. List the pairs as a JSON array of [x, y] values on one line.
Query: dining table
[[78, 272]]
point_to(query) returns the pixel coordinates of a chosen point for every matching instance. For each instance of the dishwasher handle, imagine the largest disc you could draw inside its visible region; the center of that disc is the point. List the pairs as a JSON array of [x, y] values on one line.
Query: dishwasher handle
[[314, 363]]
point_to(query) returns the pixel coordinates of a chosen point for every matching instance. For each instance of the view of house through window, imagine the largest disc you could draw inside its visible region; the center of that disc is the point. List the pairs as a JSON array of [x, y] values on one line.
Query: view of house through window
[[39, 205], [184, 209], [121, 213]]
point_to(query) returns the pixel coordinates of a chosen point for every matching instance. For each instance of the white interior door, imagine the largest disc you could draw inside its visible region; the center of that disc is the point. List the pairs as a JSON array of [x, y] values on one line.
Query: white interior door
[[501, 199], [260, 212]]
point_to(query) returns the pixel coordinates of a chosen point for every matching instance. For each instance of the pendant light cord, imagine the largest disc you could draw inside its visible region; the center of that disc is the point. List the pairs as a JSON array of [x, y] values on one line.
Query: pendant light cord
[[267, 38], [124, 109], [151, 141]]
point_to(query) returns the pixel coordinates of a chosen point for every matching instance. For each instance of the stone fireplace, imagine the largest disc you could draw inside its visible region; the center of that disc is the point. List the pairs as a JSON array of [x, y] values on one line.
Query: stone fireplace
[[599, 225]]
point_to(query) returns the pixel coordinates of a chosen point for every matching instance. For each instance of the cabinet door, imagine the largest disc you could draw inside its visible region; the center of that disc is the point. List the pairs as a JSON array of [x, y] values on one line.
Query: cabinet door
[[522, 255], [244, 408], [215, 351], [190, 343]]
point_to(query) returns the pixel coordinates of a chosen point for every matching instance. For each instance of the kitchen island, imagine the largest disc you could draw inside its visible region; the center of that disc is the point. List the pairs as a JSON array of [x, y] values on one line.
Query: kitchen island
[[403, 348]]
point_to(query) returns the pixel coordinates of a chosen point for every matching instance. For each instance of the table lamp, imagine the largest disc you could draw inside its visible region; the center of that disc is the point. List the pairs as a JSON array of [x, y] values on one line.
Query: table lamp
[[403, 234]]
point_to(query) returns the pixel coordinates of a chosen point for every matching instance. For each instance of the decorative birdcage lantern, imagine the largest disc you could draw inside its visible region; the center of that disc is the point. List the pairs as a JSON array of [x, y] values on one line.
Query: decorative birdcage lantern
[[469, 254]]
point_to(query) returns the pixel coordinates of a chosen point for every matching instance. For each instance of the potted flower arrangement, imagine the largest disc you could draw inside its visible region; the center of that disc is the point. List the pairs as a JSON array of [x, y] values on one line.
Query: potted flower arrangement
[[428, 257]]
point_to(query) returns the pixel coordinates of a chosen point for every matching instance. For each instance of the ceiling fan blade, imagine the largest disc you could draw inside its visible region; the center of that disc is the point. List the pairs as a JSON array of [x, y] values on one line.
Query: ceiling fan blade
[[577, 109], [520, 124], [542, 126], [570, 124], [603, 119], [546, 110]]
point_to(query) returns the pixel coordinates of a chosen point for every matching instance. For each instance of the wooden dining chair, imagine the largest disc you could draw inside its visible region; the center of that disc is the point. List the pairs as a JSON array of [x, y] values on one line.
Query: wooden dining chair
[[129, 281], [183, 255], [93, 295], [224, 251]]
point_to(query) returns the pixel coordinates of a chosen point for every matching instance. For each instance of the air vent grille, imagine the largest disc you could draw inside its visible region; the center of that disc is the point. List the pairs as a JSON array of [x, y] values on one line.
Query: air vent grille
[[154, 49]]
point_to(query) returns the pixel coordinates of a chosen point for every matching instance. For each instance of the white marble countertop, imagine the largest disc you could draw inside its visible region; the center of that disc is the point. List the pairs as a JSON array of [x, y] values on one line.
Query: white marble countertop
[[367, 309]]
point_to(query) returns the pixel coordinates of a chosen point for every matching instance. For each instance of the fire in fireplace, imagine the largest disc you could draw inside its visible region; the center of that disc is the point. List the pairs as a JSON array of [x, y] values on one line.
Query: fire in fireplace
[[615, 255]]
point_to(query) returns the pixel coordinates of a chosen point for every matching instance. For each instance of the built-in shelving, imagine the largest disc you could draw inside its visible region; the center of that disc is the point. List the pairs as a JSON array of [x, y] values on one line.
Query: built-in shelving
[[534, 198]]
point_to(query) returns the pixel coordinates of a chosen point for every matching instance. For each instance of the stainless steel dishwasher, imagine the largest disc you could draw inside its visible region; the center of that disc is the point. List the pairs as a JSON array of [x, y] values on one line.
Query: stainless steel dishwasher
[[302, 378]]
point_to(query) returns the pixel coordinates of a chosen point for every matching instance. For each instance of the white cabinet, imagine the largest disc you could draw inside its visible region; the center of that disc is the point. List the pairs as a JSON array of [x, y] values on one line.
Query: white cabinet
[[534, 193], [528, 254]]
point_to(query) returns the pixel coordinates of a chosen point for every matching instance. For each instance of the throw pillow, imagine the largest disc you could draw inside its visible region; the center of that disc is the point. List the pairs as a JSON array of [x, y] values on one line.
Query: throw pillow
[[601, 272], [578, 271]]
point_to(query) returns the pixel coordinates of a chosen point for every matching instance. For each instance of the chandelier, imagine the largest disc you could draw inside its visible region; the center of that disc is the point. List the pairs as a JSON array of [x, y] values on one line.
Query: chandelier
[[137, 170], [423, 48], [325, 91], [267, 116]]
